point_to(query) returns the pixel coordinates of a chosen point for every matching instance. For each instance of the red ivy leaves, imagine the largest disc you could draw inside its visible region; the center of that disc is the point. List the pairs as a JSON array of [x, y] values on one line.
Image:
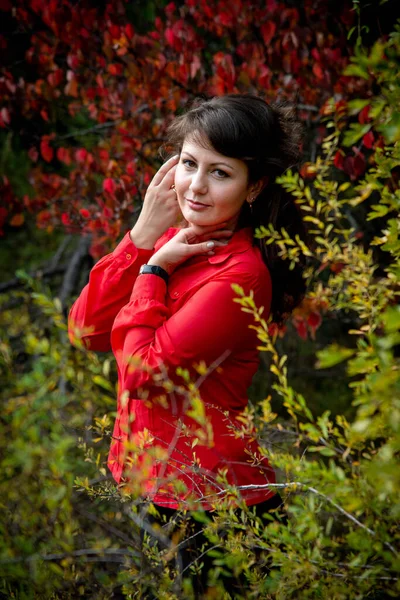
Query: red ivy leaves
[[109, 186], [92, 63], [268, 31], [46, 150]]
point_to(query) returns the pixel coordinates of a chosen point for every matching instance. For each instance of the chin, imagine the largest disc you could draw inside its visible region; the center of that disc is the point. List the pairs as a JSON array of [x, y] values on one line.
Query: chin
[[197, 220]]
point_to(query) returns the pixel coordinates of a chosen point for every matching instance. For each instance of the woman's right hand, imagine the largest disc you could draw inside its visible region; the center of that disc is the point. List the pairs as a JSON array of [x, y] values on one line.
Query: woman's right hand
[[160, 207]]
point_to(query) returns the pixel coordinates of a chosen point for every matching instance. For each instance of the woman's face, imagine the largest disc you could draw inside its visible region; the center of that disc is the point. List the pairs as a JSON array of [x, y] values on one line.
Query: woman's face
[[211, 187]]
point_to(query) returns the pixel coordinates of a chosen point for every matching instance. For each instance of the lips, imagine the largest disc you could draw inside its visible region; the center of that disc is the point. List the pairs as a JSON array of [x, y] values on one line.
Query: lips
[[195, 204]]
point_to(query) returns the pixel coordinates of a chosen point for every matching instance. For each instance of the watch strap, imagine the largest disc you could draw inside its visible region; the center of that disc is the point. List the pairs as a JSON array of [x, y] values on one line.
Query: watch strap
[[154, 270]]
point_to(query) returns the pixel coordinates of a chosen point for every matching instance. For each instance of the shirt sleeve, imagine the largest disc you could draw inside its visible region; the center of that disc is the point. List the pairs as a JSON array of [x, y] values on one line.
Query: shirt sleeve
[[110, 286], [208, 327]]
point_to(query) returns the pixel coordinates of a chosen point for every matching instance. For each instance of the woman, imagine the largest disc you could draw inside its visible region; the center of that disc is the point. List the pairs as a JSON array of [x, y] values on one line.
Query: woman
[[163, 301]]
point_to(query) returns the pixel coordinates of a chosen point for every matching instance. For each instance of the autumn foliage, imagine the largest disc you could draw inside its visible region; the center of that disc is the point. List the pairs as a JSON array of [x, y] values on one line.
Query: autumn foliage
[[87, 90]]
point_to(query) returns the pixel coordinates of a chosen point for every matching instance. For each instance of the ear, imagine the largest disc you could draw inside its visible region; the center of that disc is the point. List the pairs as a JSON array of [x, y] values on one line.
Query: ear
[[257, 188]]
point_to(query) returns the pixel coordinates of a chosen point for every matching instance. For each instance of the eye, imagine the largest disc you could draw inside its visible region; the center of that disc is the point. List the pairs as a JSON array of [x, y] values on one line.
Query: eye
[[188, 163], [221, 174]]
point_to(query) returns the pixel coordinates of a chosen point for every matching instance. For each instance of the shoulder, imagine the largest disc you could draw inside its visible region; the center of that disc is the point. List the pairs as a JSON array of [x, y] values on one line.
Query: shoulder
[[242, 257], [248, 268], [243, 265]]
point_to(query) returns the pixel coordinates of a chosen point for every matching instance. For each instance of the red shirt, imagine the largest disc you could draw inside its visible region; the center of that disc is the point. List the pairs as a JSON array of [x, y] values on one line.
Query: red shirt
[[154, 329]]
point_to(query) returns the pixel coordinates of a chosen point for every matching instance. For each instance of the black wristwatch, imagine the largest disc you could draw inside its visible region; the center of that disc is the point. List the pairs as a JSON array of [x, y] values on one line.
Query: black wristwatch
[[154, 270]]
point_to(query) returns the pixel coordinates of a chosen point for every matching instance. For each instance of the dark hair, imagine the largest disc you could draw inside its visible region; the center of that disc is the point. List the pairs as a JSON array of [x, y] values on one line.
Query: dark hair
[[268, 139]]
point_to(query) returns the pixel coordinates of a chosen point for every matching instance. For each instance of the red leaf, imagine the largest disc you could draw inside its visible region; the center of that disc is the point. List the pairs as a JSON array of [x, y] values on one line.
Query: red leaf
[[338, 161], [115, 69], [359, 165], [104, 155], [130, 168], [55, 78], [45, 149], [65, 219], [84, 213], [109, 185], [169, 36], [170, 9], [107, 212], [268, 31], [64, 155], [317, 70], [368, 139], [130, 32], [301, 328], [44, 115], [115, 32], [274, 329], [336, 267], [43, 218], [363, 116], [80, 155], [314, 320]]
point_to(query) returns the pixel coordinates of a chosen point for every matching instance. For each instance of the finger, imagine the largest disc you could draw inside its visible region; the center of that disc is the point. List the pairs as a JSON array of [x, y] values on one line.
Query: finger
[[169, 178], [165, 169], [202, 248]]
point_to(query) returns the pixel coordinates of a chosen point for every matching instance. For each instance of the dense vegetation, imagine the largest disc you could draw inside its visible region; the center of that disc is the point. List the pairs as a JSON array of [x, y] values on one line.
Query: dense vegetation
[[87, 90]]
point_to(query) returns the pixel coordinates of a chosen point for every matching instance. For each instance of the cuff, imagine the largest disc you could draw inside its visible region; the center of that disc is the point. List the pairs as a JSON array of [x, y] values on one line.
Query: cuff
[[149, 286], [126, 253]]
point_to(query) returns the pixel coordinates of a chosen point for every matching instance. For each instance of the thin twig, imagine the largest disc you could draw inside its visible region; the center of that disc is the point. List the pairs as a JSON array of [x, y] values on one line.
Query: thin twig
[[297, 484], [62, 555]]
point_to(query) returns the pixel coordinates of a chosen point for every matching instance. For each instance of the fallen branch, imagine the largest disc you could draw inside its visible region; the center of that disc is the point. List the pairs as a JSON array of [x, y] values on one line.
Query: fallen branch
[[40, 273], [74, 269]]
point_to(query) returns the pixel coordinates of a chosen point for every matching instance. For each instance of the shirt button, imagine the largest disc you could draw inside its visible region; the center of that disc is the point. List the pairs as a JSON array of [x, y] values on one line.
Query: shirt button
[[128, 256], [176, 294]]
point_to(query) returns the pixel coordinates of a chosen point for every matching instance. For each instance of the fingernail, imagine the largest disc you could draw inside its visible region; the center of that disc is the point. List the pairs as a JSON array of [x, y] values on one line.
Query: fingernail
[[210, 244]]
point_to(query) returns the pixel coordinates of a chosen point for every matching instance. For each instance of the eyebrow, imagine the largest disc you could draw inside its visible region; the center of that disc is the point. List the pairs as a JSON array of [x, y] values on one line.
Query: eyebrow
[[211, 164]]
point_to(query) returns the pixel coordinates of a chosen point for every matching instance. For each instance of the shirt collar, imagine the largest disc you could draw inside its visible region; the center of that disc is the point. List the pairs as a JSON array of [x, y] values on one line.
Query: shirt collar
[[241, 241]]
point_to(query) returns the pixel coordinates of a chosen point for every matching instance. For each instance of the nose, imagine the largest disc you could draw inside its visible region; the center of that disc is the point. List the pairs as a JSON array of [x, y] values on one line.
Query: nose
[[198, 184]]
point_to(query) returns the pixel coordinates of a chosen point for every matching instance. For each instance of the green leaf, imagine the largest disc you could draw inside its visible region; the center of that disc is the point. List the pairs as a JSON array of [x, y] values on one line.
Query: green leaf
[[354, 133], [391, 130], [391, 318], [332, 355], [376, 107], [355, 106], [356, 71], [102, 382]]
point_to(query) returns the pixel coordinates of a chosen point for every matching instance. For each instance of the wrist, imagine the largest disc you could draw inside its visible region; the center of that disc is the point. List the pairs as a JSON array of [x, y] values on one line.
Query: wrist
[[156, 260], [143, 238]]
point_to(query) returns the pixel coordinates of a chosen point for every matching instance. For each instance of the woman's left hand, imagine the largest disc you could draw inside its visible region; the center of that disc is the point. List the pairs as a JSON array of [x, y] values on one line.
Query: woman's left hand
[[188, 242]]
